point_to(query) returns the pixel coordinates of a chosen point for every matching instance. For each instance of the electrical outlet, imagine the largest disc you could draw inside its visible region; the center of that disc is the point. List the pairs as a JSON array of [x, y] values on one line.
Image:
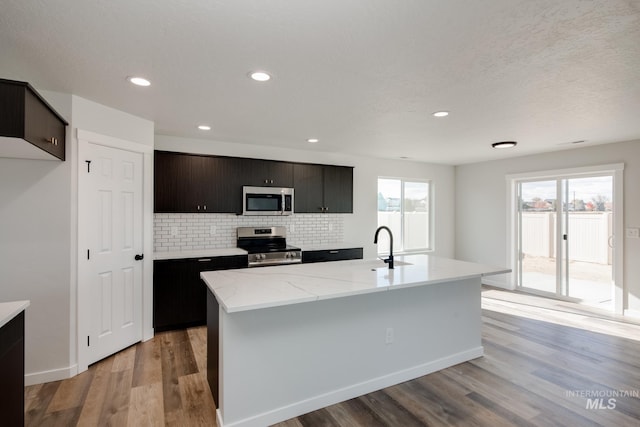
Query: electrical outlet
[[174, 231], [212, 230], [388, 338], [633, 233]]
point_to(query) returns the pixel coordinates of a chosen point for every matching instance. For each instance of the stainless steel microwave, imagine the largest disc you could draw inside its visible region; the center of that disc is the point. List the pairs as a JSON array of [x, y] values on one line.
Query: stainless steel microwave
[[267, 201]]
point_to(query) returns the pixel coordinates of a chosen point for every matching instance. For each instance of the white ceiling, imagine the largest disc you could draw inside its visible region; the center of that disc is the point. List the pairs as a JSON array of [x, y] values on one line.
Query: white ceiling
[[363, 76]]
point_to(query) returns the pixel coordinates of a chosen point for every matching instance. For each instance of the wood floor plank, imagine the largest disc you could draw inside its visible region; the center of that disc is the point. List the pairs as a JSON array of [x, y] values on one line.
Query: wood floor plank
[[115, 410], [170, 385], [124, 359], [92, 408], [198, 407], [198, 338], [146, 406], [148, 364], [71, 393], [37, 409], [319, 418]]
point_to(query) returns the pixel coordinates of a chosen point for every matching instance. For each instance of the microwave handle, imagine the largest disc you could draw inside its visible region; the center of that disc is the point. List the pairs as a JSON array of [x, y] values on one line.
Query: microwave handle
[[282, 204]]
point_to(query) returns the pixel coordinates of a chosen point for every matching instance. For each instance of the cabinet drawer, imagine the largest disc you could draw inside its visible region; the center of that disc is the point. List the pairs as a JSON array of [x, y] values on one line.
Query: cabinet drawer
[[331, 255]]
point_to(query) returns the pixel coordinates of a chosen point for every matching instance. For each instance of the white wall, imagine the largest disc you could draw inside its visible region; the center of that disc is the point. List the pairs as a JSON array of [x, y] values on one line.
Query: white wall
[[360, 227], [481, 205], [38, 206]]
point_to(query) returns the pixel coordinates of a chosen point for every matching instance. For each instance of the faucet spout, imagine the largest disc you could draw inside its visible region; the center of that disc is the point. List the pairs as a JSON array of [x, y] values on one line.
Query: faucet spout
[[389, 260]]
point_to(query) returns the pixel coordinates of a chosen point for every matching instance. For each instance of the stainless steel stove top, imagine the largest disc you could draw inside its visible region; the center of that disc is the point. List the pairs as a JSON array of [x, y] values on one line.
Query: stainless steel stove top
[[267, 246]]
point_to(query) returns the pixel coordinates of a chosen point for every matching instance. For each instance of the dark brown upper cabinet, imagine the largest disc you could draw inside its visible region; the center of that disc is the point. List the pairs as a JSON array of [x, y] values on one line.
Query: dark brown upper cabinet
[[29, 127], [323, 188], [190, 183]]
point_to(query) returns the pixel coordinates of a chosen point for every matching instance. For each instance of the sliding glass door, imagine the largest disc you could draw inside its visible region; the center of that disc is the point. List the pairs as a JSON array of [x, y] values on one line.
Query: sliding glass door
[[565, 233]]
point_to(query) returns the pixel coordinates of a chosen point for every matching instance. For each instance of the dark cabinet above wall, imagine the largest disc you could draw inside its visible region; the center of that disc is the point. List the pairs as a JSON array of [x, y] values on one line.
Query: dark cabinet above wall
[[323, 188], [190, 183], [29, 127]]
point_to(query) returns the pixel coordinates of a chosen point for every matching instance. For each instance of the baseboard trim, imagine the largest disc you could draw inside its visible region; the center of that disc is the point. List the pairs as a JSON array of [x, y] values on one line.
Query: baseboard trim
[[51, 375], [302, 407]]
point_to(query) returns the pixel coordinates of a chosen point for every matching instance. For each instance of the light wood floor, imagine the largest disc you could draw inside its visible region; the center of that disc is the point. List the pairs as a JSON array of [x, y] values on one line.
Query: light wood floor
[[538, 366]]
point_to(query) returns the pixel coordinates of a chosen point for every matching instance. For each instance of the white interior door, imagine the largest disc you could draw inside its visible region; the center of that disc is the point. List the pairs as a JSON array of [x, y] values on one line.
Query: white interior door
[[112, 201]]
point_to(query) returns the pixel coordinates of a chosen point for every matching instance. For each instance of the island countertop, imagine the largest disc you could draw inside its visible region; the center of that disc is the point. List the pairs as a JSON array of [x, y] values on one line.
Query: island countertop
[[258, 288], [9, 310]]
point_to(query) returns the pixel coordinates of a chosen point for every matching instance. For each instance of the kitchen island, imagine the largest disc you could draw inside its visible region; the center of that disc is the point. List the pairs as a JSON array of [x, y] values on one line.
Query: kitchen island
[[287, 340]]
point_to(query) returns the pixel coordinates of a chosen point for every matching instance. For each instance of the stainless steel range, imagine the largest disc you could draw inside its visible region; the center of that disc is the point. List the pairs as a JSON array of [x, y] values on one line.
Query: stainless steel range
[[267, 246]]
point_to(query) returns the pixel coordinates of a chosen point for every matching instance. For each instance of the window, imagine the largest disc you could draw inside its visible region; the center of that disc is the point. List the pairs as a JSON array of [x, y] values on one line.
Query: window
[[404, 207]]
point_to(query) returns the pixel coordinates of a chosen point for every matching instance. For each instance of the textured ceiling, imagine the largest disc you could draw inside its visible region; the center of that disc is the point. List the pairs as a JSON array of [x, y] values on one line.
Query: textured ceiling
[[363, 76]]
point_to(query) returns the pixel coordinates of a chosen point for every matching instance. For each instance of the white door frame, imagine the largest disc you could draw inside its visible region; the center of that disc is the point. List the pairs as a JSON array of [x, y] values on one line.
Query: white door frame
[[84, 298], [617, 170]]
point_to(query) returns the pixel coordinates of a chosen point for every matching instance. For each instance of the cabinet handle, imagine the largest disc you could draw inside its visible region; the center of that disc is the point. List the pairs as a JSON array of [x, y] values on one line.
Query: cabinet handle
[[205, 207], [334, 252], [204, 260], [198, 207], [52, 140], [326, 209]]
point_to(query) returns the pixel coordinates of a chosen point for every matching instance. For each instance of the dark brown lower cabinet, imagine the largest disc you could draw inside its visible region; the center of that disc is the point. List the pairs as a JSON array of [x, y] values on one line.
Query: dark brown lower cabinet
[[179, 295], [331, 255], [12, 372]]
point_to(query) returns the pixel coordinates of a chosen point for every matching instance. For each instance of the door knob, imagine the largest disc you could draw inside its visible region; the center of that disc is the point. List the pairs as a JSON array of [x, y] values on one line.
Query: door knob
[[139, 257]]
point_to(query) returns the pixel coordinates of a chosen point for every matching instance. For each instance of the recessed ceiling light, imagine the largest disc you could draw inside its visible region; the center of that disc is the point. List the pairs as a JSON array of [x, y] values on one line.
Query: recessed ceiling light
[[313, 140], [441, 114], [139, 81], [204, 127], [260, 76], [504, 144]]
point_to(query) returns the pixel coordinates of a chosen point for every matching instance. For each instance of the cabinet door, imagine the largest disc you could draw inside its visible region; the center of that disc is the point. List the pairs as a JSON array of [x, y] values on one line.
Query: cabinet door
[[178, 182], [269, 173], [308, 186], [179, 296], [42, 128], [338, 189], [224, 184]]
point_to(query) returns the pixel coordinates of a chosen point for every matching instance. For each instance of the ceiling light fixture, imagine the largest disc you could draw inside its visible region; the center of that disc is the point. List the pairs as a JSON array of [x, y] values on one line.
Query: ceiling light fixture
[[504, 144], [204, 127], [260, 76], [139, 81], [441, 114], [313, 140]]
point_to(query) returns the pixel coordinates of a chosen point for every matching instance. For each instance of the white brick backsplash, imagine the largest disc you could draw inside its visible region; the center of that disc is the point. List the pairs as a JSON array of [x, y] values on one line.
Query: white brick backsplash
[[193, 230]]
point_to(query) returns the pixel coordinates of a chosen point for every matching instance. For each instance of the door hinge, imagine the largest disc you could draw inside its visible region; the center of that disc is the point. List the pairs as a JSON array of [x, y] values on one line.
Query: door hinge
[[88, 254], [564, 237], [88, 165], [88, 341]]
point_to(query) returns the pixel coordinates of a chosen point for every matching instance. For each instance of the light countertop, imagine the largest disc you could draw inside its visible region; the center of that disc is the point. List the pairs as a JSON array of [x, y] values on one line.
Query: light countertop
[[9, 310], [200, 253], [263, 287], [204, 253], [328, 247]]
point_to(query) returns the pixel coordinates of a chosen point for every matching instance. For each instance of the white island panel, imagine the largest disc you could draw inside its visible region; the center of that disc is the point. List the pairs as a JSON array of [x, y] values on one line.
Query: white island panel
[[281, 362]]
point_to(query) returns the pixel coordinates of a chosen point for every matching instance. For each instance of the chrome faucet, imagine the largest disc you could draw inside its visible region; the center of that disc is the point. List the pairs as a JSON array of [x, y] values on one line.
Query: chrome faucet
[[375, 240]]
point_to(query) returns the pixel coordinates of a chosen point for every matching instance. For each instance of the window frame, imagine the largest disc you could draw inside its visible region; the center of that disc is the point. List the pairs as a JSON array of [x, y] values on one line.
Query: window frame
[[430, 218]]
